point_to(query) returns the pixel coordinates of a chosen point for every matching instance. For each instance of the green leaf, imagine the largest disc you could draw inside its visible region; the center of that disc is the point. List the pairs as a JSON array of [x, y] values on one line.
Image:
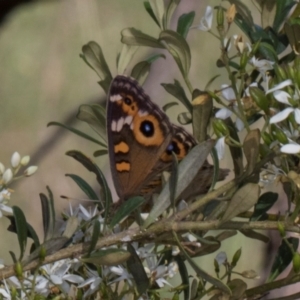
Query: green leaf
[[101, 152], [283, 9], [255, 235], [93, 56], [125, 58], [108, 257], [242, 200], [95, 116], [158, 8], [33, 235], [169, 12], [178, 48], [243, 17], [176, 90], [95, 237], [264, 203], [169, 105], [187, 170], [150, 12], [134, 37], [251, 149], [141, 71], [185, 21], [21, 229], [184, 118], [51, 208], [126, 209], [92, 167], [283, 257], [268, 51], [78, 132], [137, 270], [46, 216], [202, 111], [184, 274], [84, 186]]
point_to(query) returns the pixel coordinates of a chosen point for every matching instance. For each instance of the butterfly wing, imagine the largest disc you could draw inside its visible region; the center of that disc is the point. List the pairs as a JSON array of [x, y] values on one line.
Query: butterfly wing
[[138, 134]]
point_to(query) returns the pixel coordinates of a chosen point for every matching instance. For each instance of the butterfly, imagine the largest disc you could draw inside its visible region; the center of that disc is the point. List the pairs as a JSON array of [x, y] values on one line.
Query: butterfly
[[141, 140]]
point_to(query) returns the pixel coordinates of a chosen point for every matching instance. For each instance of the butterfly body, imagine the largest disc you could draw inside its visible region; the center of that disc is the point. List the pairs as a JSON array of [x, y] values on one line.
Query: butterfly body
[[141, 139]]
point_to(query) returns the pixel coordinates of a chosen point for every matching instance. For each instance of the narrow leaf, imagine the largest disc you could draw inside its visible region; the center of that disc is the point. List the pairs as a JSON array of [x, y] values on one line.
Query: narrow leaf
[[178, 48], [126, 209], [98, 153], [95, 116], [184, 274], [184, 118], [176, 90], [264, 203], [78, 132], [132, 36], [93, 56], [137, 270], [255, 235], [242, 200], [251, 149], [108, 257], [150, 12], [169, 105], [158, 8], [283, 257], [92, 167], [185, 21], [125, 58], [46, 216], [84, 186], [141, 71], [169, 13], [95, 236], [21, 228]]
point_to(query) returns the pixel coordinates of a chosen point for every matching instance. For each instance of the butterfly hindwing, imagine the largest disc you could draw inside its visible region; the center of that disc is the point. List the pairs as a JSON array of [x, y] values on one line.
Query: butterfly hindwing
[[138, 134]]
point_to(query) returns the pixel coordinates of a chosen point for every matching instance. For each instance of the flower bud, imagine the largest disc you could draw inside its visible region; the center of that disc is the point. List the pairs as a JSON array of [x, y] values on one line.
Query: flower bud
[[281, 229], [220, 17], [266, 138], [244, 60], [296, 262], [220, 128], [15, 160], [7, 176], [19, 270], [25, 160], [259, 97], [230, 14], [236, 257], [279, 135], [239, 44], [279, 71], [30, 170]]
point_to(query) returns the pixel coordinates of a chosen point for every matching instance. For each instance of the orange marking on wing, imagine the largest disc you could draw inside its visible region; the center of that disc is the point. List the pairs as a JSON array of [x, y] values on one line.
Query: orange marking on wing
[[123, 166], [121, 147], [166, 157], [158, 136]]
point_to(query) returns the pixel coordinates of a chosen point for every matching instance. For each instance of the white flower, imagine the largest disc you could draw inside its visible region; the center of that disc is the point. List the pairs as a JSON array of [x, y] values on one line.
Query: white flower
[[7, 176], [93, 281], [4, 196], [283, 97], [122, 274], [25, 160], [221, 258], [15, 159], [220, 147], [269, 174], [206, 21], [262, 65], [224, 113], [290, 148], [30, 170]]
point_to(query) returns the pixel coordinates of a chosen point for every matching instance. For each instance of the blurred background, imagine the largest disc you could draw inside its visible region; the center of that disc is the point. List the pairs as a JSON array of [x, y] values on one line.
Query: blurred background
[[43, 79]]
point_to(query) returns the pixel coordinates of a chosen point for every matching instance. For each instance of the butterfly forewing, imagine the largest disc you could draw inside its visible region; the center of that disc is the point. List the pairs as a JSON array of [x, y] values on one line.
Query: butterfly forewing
[[138, 134]]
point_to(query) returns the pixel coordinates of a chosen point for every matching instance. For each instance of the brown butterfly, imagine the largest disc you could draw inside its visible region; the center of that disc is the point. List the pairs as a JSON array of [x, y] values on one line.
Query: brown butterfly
[[141, 140]]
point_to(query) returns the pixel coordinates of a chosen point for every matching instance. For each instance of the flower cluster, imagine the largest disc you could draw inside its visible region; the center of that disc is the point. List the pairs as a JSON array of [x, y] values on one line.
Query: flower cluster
[[8, 175]]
